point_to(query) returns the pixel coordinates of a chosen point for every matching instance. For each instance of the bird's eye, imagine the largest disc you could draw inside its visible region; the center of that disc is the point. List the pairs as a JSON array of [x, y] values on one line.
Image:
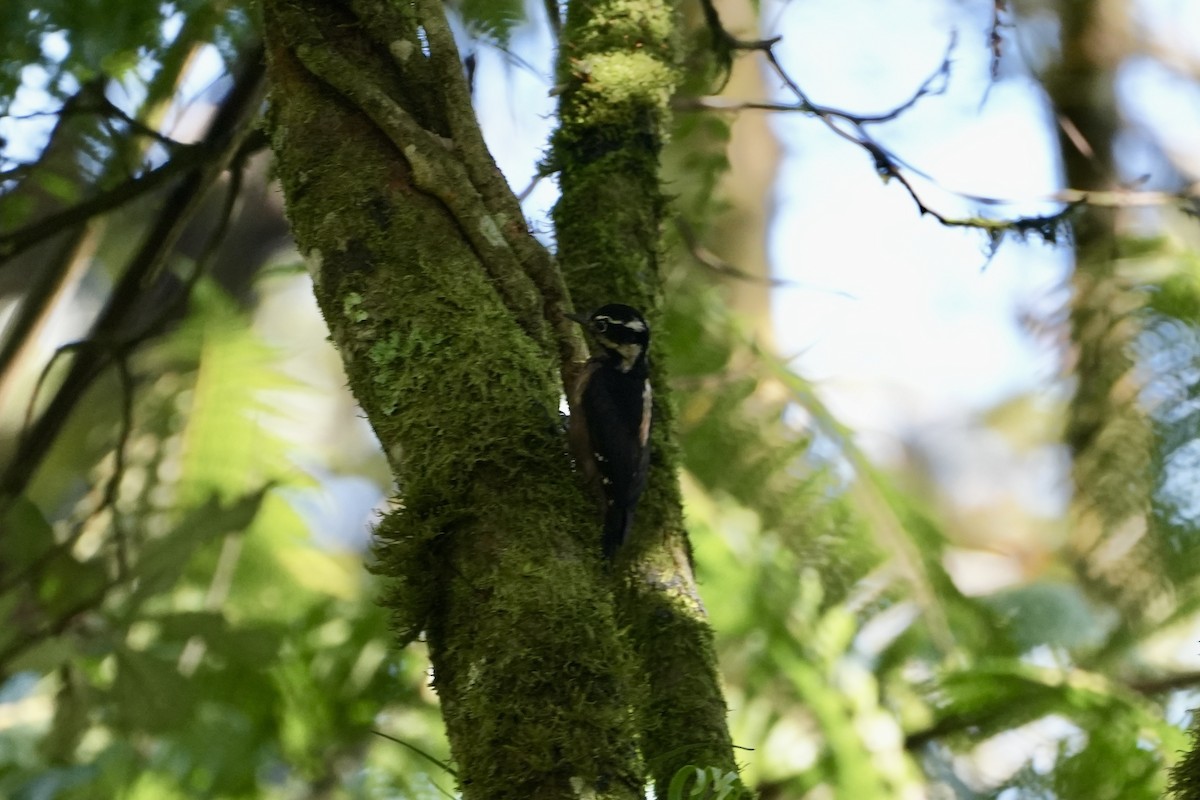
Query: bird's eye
[[600, 326]]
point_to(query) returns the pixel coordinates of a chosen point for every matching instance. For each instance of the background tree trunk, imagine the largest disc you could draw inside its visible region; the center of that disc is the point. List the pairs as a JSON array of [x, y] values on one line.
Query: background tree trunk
[[617, 67], [1108, 433]]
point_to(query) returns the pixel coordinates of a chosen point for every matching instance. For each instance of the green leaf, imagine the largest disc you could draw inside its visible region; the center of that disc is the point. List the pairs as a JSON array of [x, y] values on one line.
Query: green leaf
[[711, 783], [149, 693], [72, 705], [162, 561], [1048, 612], [72, 586], [679, 783], [247, 644], [494, 19], [27, 536], [229, 440]]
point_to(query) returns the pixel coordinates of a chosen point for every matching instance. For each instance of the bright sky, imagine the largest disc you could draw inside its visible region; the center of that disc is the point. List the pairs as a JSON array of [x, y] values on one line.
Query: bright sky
[[930, 328]]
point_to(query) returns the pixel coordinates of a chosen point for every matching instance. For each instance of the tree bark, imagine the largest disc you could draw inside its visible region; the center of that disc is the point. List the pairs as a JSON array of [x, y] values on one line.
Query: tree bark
[[429, 281], [616, 74], [449, 317]]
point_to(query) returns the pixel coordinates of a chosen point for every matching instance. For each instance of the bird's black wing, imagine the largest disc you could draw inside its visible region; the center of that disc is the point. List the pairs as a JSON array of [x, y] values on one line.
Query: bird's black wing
[[613, 405]]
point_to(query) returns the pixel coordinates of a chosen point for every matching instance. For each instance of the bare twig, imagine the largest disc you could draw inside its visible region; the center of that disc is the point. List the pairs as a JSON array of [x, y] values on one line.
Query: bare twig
[[104, 107], [995, 38], [853, 128]]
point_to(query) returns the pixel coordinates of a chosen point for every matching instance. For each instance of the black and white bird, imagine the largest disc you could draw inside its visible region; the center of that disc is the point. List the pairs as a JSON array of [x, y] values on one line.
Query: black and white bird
[[611, 415]]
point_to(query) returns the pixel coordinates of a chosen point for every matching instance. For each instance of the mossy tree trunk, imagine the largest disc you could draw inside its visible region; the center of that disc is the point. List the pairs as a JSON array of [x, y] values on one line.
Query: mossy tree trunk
[[617, 72], [449, 318]]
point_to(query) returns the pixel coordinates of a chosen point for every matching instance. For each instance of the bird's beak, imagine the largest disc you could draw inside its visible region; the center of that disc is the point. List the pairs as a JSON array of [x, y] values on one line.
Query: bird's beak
[[582, 319]]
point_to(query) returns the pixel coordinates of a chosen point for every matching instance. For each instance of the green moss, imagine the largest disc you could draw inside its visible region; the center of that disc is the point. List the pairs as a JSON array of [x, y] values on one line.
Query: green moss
[[618, 69], [623, 25], [352, 308], [618, 88]]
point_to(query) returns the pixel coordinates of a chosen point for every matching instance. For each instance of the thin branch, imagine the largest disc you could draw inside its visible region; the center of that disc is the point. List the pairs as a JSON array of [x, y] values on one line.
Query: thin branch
[[20, 240], [1185, 199], [188, 158], [805, 106], [995, 38], [707, 258], [1112, 198], [935, 84], [726, 40], [108, 109], [1047, 225], [932, 86], [852, 127], [200, 266], [104, 107], [1170, 683], [53, 627], [537, 178], [120, 354]]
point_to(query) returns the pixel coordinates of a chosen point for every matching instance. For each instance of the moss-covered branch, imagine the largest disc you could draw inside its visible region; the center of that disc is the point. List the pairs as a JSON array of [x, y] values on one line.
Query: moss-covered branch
[[426, 287], [617, 71]]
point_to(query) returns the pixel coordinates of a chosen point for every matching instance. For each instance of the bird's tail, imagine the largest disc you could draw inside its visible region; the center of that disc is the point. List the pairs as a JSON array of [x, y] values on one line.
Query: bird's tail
[[618, 519]]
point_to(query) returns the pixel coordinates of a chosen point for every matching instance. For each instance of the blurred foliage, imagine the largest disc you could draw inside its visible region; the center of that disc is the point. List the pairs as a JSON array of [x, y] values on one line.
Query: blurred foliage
[[492, 20], [182, 619], [68, 43], [190, 640]]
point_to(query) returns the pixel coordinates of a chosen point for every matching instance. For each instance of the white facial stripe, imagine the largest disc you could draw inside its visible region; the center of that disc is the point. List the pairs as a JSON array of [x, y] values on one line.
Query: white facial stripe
[[632, 324]]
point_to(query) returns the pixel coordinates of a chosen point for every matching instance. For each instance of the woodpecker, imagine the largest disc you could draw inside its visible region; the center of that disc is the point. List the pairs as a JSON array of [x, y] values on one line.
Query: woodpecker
[[611, 414]]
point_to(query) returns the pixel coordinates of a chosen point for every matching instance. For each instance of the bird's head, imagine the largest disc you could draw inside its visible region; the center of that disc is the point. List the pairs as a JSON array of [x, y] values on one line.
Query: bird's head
[[620, 330]]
